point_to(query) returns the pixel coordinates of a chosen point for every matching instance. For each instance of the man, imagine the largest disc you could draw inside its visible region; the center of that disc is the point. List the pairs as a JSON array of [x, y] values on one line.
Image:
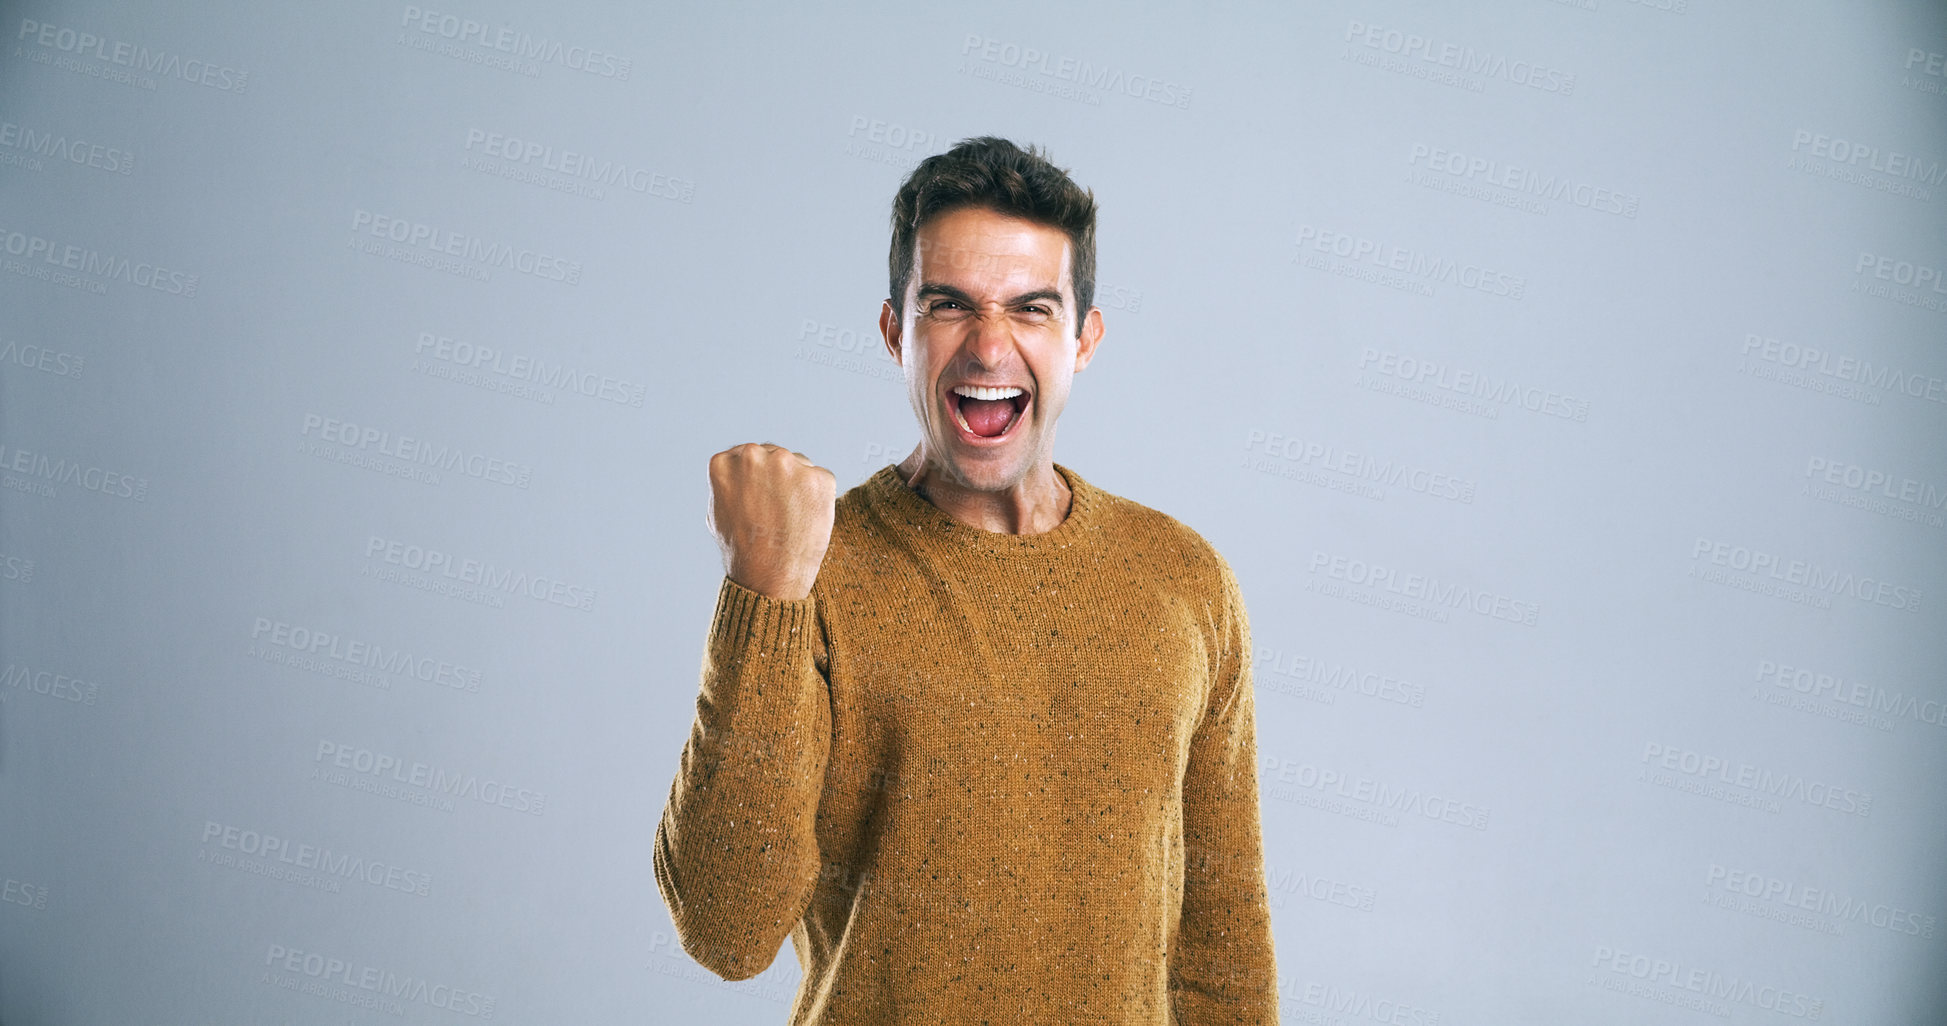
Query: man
[[977, 735]]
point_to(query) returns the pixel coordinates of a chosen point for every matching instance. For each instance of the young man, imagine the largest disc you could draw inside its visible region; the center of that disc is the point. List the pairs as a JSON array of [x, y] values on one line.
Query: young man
[[977, 735]]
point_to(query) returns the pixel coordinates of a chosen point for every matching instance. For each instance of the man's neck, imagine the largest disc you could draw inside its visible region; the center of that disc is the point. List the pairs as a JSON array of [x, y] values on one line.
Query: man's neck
[[1037, 505]]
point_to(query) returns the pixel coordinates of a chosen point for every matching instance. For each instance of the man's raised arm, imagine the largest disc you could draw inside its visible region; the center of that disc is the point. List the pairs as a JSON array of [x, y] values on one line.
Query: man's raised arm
[[736, 854]]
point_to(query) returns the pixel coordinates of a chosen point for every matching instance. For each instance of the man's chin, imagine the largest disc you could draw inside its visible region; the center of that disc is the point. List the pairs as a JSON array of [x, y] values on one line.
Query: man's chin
[[980, 472]]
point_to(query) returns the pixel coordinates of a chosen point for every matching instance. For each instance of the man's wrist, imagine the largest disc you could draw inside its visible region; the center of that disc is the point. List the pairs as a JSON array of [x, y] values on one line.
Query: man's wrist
[[782, 591]]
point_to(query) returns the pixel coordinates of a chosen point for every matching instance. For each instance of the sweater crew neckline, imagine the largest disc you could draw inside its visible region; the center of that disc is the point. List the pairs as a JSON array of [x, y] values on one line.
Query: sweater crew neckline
[[1084, 513]]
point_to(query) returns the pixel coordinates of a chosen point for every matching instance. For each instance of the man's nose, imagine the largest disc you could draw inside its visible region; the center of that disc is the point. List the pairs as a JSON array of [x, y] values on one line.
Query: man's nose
[[990, 337]]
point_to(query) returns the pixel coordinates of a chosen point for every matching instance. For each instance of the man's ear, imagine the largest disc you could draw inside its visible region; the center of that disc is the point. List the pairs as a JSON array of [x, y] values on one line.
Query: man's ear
[[1091, 337], [889, 331]]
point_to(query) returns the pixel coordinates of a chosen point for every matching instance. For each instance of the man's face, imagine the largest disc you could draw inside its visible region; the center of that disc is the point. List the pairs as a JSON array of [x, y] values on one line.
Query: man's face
[[990, 302]]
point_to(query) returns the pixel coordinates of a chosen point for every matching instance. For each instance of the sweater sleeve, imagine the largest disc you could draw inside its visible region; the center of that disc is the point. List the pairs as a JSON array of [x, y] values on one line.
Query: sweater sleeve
[[736, 854], [1222, 968]]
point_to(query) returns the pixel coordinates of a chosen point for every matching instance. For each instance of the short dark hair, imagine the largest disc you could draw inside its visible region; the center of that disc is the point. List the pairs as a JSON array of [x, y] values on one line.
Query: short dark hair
[[988, 171]]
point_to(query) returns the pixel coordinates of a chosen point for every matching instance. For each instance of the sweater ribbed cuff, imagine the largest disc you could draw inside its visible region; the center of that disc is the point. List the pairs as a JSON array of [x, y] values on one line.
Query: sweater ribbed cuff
[[773, 627]]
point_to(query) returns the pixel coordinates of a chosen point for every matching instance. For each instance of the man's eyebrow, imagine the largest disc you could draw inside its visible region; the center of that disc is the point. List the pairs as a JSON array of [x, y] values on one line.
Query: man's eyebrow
[[946, 291]]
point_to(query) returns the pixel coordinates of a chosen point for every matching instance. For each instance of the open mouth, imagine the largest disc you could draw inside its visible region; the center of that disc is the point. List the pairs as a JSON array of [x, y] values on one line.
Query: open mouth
[[988, 418]]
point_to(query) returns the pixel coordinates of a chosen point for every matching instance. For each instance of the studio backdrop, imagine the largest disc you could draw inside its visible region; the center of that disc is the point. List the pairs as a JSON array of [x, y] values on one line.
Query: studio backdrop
[[1565, 380]]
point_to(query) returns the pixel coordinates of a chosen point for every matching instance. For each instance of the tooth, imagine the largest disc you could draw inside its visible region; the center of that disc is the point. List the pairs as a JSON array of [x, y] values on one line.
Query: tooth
[[978, 392]]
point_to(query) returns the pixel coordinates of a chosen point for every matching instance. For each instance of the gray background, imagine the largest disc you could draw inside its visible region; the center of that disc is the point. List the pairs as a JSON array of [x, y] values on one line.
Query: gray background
[[1677, 392]]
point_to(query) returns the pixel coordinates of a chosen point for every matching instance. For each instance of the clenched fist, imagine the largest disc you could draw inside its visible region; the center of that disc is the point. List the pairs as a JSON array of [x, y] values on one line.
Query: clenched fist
[[771, 510]]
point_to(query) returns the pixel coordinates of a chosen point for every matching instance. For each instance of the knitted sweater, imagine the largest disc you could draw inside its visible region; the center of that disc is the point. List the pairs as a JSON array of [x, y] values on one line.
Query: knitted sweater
[[981, 777]]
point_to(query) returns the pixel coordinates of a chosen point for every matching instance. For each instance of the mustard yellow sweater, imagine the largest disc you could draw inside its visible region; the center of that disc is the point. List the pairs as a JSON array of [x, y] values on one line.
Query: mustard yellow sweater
[[981, 777]]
